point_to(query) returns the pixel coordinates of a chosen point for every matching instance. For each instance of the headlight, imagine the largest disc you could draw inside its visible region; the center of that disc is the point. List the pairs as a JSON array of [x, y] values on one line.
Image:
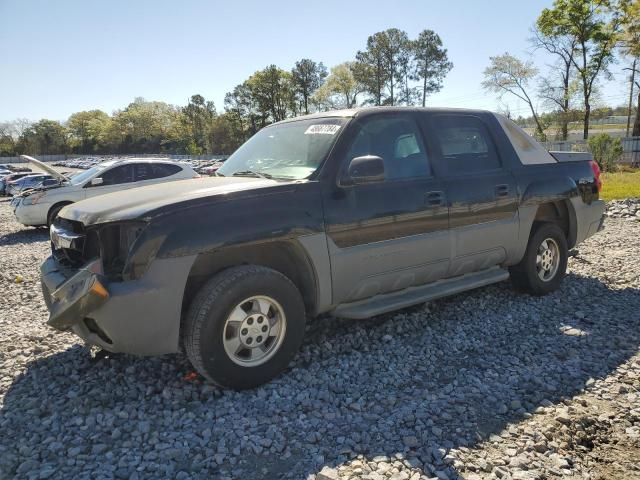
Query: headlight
[[116, 241], [32, 199]]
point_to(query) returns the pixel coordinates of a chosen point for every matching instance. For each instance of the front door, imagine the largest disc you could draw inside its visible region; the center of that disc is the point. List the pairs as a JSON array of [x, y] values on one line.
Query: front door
[[389, 235], [117, 178], [483, 212]]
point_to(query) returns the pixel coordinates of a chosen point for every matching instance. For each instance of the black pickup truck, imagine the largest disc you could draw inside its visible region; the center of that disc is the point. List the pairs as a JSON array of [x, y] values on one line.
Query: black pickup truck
[[353, 213]]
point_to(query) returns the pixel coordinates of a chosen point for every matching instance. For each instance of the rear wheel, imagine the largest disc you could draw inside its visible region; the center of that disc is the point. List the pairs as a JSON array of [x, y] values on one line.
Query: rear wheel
[[244, 326], [545, 261]]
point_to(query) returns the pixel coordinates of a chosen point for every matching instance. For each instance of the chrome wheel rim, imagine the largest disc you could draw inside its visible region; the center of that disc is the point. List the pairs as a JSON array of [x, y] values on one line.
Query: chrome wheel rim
[[254, 331], [547, 259]]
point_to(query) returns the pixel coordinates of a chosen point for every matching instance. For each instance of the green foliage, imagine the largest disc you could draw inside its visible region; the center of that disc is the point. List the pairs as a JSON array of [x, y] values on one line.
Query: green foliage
[[46, 137], [87, 130], [272, 91], [307, 77], [606, 150], [391, 63], [198, 116], [340, 90], [594, 28], [431, 62]]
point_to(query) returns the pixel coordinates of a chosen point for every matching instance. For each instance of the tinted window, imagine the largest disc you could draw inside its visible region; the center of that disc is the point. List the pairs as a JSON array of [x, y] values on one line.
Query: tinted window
[[149, 171], [465, 144], [397, 141], [118, 175]]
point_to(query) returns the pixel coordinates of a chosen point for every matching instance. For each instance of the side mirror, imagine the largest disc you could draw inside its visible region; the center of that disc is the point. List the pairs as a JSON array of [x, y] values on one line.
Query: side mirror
[[366, 169], [96, 181]]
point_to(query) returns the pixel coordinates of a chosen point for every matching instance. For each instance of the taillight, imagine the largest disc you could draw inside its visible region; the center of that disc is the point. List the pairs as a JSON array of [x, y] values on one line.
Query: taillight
[[596, 174]]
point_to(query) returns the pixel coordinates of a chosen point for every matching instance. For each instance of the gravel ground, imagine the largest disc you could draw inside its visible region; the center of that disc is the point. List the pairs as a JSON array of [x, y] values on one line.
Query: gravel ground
[[488, 384]]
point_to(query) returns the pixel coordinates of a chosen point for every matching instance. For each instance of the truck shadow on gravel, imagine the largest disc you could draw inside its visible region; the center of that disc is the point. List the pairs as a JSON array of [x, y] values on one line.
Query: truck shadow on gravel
[[415, 383], [26, 236]]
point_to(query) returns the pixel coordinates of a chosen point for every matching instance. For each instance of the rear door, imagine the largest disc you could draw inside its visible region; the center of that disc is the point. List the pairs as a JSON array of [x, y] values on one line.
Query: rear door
[[482, 192], [147, 173], [389, 235]]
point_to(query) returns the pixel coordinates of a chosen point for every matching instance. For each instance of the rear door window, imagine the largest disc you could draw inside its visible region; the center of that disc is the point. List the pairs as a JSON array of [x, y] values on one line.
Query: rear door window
[[150, 171], [465, 144]]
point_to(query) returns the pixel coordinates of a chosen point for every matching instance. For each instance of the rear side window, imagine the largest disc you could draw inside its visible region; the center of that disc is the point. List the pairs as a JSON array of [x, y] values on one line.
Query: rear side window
[[149, 171], [465, 144], [397, 141]]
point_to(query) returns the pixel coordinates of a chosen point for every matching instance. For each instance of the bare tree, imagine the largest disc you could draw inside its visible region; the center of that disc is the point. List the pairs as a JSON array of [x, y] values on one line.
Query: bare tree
[[564, 48], [508, 74]]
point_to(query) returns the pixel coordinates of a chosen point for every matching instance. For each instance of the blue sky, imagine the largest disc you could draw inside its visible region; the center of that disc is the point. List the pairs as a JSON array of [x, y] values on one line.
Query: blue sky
[[63, 56]]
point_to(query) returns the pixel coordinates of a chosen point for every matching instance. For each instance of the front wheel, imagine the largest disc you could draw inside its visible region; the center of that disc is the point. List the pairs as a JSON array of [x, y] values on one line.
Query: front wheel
[[53, 213], [244, 326], [545, 261]]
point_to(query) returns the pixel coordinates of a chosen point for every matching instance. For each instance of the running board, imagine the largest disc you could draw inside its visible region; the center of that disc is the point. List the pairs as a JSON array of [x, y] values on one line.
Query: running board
[[414, 295]]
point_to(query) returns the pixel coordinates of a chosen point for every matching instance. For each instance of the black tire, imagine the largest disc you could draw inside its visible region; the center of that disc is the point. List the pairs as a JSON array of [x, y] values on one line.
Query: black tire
[[524, 275], [205, 323], [53, 212]]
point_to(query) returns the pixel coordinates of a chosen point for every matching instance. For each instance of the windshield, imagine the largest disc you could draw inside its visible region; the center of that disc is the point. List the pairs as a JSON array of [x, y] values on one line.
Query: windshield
[[292, 150]]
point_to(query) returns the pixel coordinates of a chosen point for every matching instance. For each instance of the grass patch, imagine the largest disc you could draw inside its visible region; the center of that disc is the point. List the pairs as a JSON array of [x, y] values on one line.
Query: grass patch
[[619, 185]]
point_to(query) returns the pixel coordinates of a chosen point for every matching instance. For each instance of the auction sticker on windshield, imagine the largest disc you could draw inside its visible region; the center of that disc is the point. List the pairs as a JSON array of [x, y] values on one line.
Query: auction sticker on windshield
[[322, 129]]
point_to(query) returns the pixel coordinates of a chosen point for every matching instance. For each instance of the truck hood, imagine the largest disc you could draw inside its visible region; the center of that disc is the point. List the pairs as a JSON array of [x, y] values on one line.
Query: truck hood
[[136, 202], [47, 168]]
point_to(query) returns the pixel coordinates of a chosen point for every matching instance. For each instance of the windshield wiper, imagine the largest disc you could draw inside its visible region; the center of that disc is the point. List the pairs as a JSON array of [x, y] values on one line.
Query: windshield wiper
[[250, 173]]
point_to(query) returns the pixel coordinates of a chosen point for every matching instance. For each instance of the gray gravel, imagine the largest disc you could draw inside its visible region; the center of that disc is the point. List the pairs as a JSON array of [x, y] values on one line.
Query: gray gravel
[[488, 384]]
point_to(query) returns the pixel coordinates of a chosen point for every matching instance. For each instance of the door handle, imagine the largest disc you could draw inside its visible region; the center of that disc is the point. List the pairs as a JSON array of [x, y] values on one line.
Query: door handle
[[502, 190], [435, 198]]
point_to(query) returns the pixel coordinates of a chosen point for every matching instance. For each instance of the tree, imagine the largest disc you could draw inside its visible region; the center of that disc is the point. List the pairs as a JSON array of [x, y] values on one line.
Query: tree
[[630, 41], [564, 48], [272, 90], [594, 26], [198, 116], [370, 68], [225, 135], [46, 137], [396, 51], [244, 109], [307, 77], [508, 74], [431, 62], [8, 139], [383, 65], [144, 127], [88, 129], [340, 90]]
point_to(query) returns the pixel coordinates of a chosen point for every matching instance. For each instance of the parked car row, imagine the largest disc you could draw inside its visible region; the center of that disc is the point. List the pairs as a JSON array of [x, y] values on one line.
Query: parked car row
[[83, 163], [206, 167], [13, 167], [15, 183]]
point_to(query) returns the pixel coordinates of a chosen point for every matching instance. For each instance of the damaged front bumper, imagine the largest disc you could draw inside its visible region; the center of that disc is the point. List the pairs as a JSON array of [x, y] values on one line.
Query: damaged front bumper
[[140, 317], [70, 297]]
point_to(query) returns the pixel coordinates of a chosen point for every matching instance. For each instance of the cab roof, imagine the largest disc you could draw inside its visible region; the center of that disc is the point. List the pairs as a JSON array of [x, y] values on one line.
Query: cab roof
[[365, 111]]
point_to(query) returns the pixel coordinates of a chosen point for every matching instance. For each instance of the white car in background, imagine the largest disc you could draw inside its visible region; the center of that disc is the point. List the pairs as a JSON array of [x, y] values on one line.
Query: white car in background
[[40, 206]]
